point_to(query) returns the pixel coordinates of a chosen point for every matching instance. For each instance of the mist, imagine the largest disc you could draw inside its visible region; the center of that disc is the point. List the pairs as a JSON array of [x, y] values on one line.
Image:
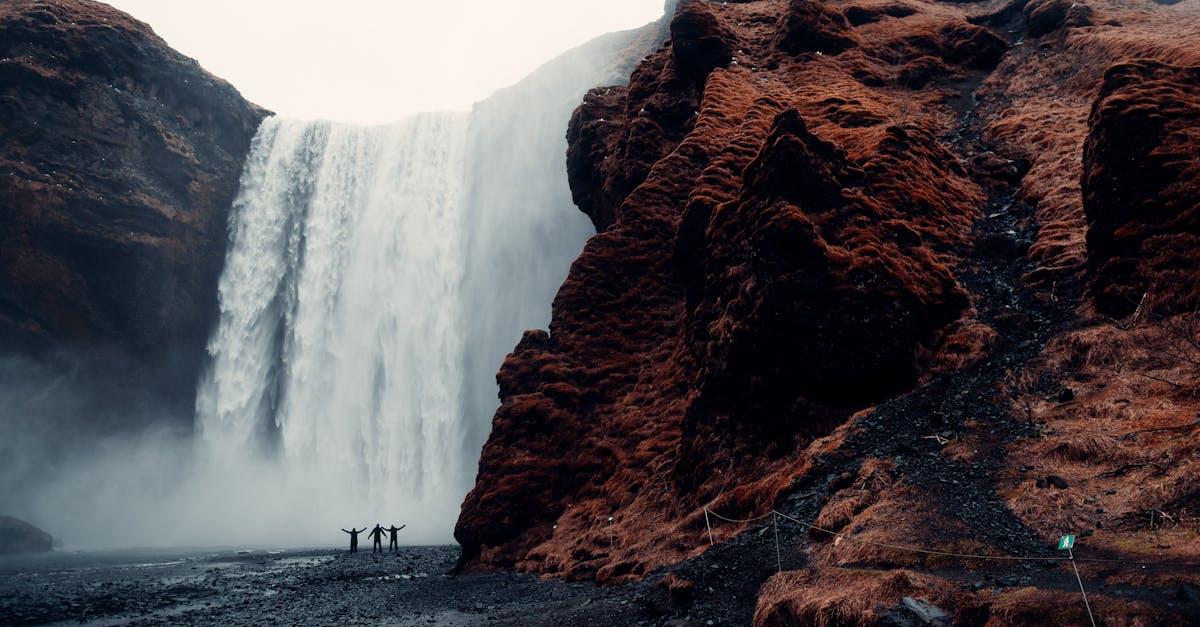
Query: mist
[[376, 278], [155, 490]]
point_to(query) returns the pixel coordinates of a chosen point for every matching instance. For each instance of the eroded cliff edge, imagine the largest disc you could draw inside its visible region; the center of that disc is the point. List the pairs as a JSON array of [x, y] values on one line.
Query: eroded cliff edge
[[860, 262], [119, 159]]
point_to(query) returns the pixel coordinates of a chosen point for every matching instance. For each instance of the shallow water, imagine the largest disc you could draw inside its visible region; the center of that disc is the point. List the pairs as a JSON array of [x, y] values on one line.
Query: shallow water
[[107, 587]]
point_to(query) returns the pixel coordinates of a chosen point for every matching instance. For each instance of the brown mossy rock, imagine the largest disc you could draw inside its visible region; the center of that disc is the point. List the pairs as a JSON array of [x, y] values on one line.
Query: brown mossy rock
[[619, 133], [808, 261], [119, 160], [541, 411], [748, 221], [813, 26], [917, 73], [1141, 188], [929, 49], [776, 249], [860, 14], [971, 45], [699, 43], [1046, 16]]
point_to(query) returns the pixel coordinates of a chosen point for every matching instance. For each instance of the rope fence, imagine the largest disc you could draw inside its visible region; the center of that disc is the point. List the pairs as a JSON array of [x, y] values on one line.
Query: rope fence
[[911, 549], [775, 515]]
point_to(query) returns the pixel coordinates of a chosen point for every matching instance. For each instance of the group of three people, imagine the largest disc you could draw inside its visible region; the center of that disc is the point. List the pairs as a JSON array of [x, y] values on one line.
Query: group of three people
[[377, 535]]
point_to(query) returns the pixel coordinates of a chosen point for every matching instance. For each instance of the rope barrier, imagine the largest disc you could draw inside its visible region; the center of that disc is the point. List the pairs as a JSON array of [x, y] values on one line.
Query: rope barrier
[[778, 559], [979, 556], [919, 550], [736, 520], [1101, 560], [776, 514]]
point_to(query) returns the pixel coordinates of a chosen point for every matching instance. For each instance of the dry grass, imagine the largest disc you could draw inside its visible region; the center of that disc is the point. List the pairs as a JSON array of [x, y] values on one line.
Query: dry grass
[[830, 596], [1043, 92], [1128, 445], [874, 476], [1032, 606], [1093, 448], [836, 596]]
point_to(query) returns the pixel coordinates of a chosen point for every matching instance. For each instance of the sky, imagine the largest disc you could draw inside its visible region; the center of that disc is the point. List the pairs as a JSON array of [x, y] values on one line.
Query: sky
[[375, 61]]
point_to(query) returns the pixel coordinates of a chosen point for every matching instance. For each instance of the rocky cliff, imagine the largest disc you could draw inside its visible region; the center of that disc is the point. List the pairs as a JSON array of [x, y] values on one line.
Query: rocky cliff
[[119, 158], [855, 262], [18, 536]]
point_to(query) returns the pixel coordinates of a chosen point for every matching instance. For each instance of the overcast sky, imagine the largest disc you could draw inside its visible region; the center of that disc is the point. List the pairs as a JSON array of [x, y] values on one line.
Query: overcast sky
[[372, 61]]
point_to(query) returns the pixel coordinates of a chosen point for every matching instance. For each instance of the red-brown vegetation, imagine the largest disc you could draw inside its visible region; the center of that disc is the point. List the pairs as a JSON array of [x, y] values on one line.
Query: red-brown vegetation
[[854, 257]]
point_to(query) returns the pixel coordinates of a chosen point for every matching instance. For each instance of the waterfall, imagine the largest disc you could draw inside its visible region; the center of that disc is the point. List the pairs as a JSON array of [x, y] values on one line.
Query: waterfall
[[375, 279], [340, 334]]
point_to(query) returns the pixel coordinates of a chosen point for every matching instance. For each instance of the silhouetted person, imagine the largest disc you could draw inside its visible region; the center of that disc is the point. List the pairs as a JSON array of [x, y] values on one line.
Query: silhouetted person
[[392, 544], [377, 535], [354, 538]]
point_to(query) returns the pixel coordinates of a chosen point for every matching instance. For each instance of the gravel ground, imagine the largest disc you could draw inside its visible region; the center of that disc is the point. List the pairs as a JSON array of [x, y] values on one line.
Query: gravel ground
[[320, 586]]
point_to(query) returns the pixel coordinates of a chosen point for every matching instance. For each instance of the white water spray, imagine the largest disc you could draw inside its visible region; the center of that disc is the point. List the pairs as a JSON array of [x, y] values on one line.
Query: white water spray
[[375, 279], [340, 335]]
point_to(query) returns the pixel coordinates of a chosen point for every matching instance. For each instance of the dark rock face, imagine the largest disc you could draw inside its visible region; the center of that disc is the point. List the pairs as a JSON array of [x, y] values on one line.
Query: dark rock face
[[858, 15], [119, 159], [701, 43], [811, 26], [1141, 188], [606, 157], [18, 536], [810, 261], [1047, 16]]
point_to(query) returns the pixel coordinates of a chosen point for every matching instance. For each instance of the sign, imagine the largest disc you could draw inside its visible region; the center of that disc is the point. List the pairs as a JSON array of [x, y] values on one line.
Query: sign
[[1066, 543]]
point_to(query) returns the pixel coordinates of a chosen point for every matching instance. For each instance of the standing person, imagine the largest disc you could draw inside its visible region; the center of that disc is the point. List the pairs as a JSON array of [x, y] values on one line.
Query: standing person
[[377, 535], [392, 544], [354, 538]]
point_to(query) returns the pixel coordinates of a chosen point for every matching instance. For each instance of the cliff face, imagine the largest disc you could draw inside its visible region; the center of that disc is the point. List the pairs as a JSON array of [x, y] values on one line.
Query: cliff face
[[119, 159], [844, 267], [770, 260]]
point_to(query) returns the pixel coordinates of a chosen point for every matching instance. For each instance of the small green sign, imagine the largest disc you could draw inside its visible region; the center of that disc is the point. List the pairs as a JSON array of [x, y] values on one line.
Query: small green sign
[[1066, 542]]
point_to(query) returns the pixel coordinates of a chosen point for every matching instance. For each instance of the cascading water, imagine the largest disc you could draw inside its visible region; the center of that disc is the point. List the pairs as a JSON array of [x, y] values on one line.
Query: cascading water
[[340, 333], [374, 281], [376, 278]]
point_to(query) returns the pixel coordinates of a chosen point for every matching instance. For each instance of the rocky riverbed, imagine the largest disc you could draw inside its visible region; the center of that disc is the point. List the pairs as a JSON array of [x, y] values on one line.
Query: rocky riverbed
[[318, 586]]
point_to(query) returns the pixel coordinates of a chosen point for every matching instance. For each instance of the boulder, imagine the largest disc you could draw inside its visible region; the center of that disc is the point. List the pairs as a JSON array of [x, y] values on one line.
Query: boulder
[[18, 536]]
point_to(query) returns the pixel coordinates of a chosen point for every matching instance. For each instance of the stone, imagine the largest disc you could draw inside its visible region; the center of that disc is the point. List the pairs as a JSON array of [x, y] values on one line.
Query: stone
[[18, 536]]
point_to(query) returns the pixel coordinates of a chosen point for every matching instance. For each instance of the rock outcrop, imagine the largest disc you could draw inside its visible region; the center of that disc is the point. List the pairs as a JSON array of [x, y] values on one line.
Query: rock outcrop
[[18, 536], [849, 261], [769, 260], [119, 159]]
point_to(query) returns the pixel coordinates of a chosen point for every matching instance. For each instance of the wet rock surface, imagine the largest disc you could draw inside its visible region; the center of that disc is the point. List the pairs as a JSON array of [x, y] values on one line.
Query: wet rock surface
[[18, 536]]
